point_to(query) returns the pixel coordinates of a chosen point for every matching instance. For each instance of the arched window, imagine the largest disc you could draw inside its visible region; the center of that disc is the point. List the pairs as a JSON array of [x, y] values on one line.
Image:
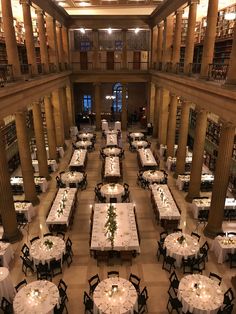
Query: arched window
[[117, 97]]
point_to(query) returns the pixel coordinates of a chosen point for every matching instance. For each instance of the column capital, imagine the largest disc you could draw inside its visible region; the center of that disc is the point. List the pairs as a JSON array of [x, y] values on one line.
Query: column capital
[[161, 24], [179, 11], [28, 2], [39, 11], [193, 2], [228, 125], [173, 94]]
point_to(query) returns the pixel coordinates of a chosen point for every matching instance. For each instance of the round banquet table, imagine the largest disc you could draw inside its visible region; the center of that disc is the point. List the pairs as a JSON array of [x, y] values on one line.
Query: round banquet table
[[122, 301], [112, 190], [174, 248], [138, 144], [39, 296], [111, 151], [84, 144], [86, 136], [7, 289], [153, 176], [137, 135], [42, 253], [71, 177], [200, 294]]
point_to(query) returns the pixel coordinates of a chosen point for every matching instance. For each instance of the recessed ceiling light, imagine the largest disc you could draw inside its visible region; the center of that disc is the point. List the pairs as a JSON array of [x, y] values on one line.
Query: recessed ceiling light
[[82, 30], [84, 4], [109, 30], [136, 30]]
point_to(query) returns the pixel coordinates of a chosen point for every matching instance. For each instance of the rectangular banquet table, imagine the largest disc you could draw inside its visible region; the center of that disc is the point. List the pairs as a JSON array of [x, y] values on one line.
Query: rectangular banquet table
[[111, 140], [171, 163], [112, 167], [146, 157], [25, 207], [78, 160], [6, 254], [183, 179], [58, 214], [222, 246], [51, 163], [39, 181], [60, 151], [126, 236]]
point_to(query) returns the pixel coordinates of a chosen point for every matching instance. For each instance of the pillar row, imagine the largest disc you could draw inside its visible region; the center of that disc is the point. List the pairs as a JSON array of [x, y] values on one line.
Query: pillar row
[[50, 127], [42, 40], [58, 117], [124, 113], [171, 126]]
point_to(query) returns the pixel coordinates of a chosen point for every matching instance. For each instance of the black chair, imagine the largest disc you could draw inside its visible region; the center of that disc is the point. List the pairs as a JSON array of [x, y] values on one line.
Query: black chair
[[69, 245], [174, 282], [215, 277], [204, 249], [161, 251], [21, 220], [48, 234], [173, 302], [43, 272], [142, 299], [25, 250], [231, 234], [177, 230], [126, 186], [61, 308], [93, 282], [113, 273], [228, 297], [135, 280], [187, 265], [227, 309], [199, 264], [168, 263], [62, 287], [27, 264], [196, 235], [232, 260], [88, 303], [221, 234], [55, 266], [126, 197], [21, 284], [6, 306], [67, 256], [33, 239], [163, 235], [61, 235]]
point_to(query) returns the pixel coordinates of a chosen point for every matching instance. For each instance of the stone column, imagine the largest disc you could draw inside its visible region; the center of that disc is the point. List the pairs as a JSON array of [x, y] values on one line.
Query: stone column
[[189, 47], [220, 186], [154, 46], [231, 76], [163, 115], [171, 126], [177, 39], [58, 117], [42, 40], [209, 39], [159, 43], [151, 100], [52, 41], [96, 64], [40, 141], [29, 36], [8, 214], [156, 110], [25, 158], [183, 138], [10, 37], [198, 154], [97, 92], [50, 127], [124, 113], [65, 112], [124, 50], [60, 46], [70, 106], [167, 40], [65, 43]]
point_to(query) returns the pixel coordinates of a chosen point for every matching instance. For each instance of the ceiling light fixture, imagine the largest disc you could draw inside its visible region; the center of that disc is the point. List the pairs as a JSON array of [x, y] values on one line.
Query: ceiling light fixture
[[82, 30], [109, 30], [84, 4], [136, 30], [62, 4]]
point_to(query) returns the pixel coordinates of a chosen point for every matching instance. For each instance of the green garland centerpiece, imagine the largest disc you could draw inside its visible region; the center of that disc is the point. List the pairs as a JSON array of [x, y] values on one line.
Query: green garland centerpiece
[[111, 224], [112, 185], [48, 243], [181, 239], [152, 171]]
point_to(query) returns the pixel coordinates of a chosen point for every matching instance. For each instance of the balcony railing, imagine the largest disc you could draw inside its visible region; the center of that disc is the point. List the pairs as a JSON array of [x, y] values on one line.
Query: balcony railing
[[52, 68], [6, 74], [41, 69], [194, 68], [218, 71], [113, 66], [26, 71], [179, 68], [138, 66]]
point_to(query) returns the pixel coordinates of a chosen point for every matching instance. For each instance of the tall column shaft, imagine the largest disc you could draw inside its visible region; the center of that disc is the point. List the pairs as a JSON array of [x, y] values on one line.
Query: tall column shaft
[[221, 181], [159, 43], [65, 43], [151, 101], [10, 37], [25, 158], [51, 132], [52, 41], [156, 110], [29, 36], [96, 64], [60, 47], [231, 77], [189, 47], [154, 45], [167, 39], [65, 112], [198, 154], [177, 38], [124, 50], [171, 126], [124, 112], [210, 35], [40, 141], [163, 115], [7, 209], [97, 92], [58, 117], [42, 40], [70, 106], [182, 141]]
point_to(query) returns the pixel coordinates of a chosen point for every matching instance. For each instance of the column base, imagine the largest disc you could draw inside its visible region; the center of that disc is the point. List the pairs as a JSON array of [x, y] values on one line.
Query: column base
[[35, 201], [189, 198], [48, 178], [13, 237], [210, 232], [175, 175]]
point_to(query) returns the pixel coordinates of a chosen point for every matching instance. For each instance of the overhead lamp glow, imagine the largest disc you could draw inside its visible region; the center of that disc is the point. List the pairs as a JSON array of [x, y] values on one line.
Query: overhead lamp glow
[[230, 16], [62, 4], [84, 4], [136, 30], [109, 30], [82, 30]]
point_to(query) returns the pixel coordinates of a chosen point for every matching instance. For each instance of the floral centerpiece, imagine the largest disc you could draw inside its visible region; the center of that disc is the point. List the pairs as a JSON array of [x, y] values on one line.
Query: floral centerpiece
[[112, 185], [48, 243], [152, 171], [181, 239], [111, 224]]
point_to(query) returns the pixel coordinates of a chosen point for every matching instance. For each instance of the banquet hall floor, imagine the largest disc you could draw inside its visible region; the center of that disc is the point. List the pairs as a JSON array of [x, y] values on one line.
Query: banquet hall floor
[[145, 265]]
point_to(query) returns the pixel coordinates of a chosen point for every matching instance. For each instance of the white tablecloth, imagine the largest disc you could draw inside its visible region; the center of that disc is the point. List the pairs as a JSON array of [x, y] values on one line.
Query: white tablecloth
[[78, 158], [104, 125], [136, 135], [41, 253], [165, 203], [85, 136], [126, 237], [83, 144], [222, 246], [146, 157], [60, 150], [188, 248], [73, 130], [200, 294], [111, 151], [111, 132], [111, 140], [153, 176], [39, 297], [7, 289], [112, 190], [117, 125], [122, 301], [112, 167], [172, 161], [71, 177], [51, 162], [61, 209], [186, 178], [42, 182], [163, 149], [26, 208], [139, 144], [6, 253]]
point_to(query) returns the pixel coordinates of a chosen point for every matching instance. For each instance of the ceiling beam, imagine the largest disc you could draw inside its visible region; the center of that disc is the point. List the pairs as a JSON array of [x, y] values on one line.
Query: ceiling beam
[[71, 3], [166, 8]]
